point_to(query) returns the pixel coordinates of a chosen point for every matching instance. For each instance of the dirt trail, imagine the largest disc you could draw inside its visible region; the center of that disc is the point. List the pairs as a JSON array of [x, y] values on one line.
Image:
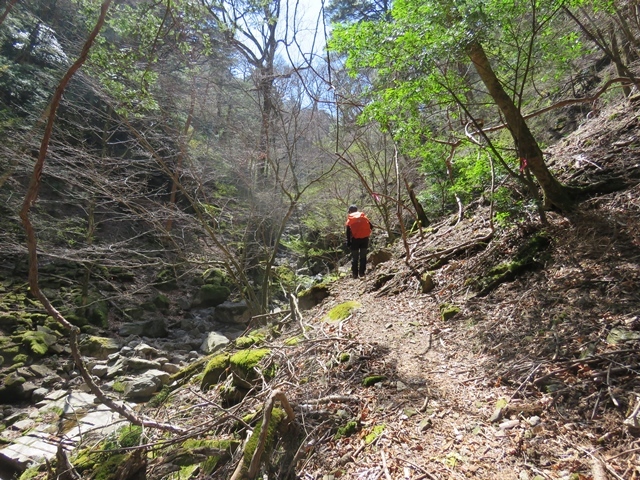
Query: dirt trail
[[436, 401]]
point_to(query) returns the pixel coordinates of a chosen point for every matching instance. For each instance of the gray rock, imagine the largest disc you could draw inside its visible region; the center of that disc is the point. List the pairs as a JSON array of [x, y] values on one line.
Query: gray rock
[[39, 394], [161, 375], [155, 328], [41, 371], [533, 421], [509, 424], [99, 370], [24, 424], [39, 445], [232, 312], [126, 351], [134, 363], [145, 350], [98, 347], [141, 388], [116, 369], [52, 381], [213, 342], [170, 368]]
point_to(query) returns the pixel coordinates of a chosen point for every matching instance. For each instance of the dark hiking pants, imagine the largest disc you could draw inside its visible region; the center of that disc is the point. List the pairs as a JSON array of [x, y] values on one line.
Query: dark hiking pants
[[359, 248]]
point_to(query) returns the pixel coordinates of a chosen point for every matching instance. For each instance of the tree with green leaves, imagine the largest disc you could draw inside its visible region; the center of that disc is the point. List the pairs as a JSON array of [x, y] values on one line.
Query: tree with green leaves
[[424, 89]]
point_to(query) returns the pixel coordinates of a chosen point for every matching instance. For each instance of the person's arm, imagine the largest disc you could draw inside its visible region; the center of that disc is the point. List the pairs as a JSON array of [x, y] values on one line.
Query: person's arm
[[348, 236]]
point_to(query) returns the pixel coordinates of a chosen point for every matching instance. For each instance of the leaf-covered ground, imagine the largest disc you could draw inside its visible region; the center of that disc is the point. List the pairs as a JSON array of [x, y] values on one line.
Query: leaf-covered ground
[[540, 377]]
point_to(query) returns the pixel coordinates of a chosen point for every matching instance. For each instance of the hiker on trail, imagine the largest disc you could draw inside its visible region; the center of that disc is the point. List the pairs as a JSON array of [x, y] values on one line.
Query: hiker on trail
[[358, 232]]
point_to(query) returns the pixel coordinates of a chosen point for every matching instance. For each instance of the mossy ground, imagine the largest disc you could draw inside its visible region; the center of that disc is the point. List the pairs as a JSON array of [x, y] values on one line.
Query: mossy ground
[[342, 311]]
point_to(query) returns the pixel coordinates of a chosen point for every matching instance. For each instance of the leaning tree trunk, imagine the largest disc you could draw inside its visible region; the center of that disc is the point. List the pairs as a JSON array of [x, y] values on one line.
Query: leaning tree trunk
[[554, 192]]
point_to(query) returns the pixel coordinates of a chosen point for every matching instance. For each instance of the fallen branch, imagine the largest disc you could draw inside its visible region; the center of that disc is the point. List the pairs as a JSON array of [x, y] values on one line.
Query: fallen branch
[[250, 472]]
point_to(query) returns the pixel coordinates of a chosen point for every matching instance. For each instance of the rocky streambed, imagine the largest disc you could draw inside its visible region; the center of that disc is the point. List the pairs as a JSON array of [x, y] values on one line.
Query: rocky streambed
[[46, 405]]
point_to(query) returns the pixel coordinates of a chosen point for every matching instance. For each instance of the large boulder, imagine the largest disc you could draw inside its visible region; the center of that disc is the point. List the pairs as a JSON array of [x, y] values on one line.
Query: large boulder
[[153, 328], [98, 347], [232, 312], [312, 296], [211, 296]]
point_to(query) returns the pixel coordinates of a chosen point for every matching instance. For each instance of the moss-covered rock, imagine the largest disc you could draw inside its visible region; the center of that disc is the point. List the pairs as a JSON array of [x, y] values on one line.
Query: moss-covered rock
[[255, 337], [530, 256], [161, 302], [186, 373], [211, 296], [243, 365], [166, 280], [426, 283], [372, 380], [215, 371], [448, 311], [20, 358], [98, 347], [246, 360], [214, 276], [37, 342], [94, 309], [313, 296], [342, 311]]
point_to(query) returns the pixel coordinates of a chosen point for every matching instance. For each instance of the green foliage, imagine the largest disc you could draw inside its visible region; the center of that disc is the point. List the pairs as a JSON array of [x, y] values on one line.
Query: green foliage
[[423, 98]]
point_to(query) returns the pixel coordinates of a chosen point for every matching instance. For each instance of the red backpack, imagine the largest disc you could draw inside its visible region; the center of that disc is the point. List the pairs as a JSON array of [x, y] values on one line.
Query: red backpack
[[359, 225]]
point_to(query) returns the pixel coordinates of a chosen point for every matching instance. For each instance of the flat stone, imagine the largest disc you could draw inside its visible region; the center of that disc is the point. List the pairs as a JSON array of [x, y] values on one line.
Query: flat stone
[[171, 368], [41, 371], [134, 363], [25, 424], [159, 374], [99, 370], [141, 388]]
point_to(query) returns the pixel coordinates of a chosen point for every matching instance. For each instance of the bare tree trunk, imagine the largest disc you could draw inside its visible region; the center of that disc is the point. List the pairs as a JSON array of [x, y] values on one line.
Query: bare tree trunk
[[7, 10], [420, 213], [527, 147], [181, 155]]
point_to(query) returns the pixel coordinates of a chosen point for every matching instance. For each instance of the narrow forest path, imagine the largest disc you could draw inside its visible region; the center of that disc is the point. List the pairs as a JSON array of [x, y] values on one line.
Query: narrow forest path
[[436, 402]]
